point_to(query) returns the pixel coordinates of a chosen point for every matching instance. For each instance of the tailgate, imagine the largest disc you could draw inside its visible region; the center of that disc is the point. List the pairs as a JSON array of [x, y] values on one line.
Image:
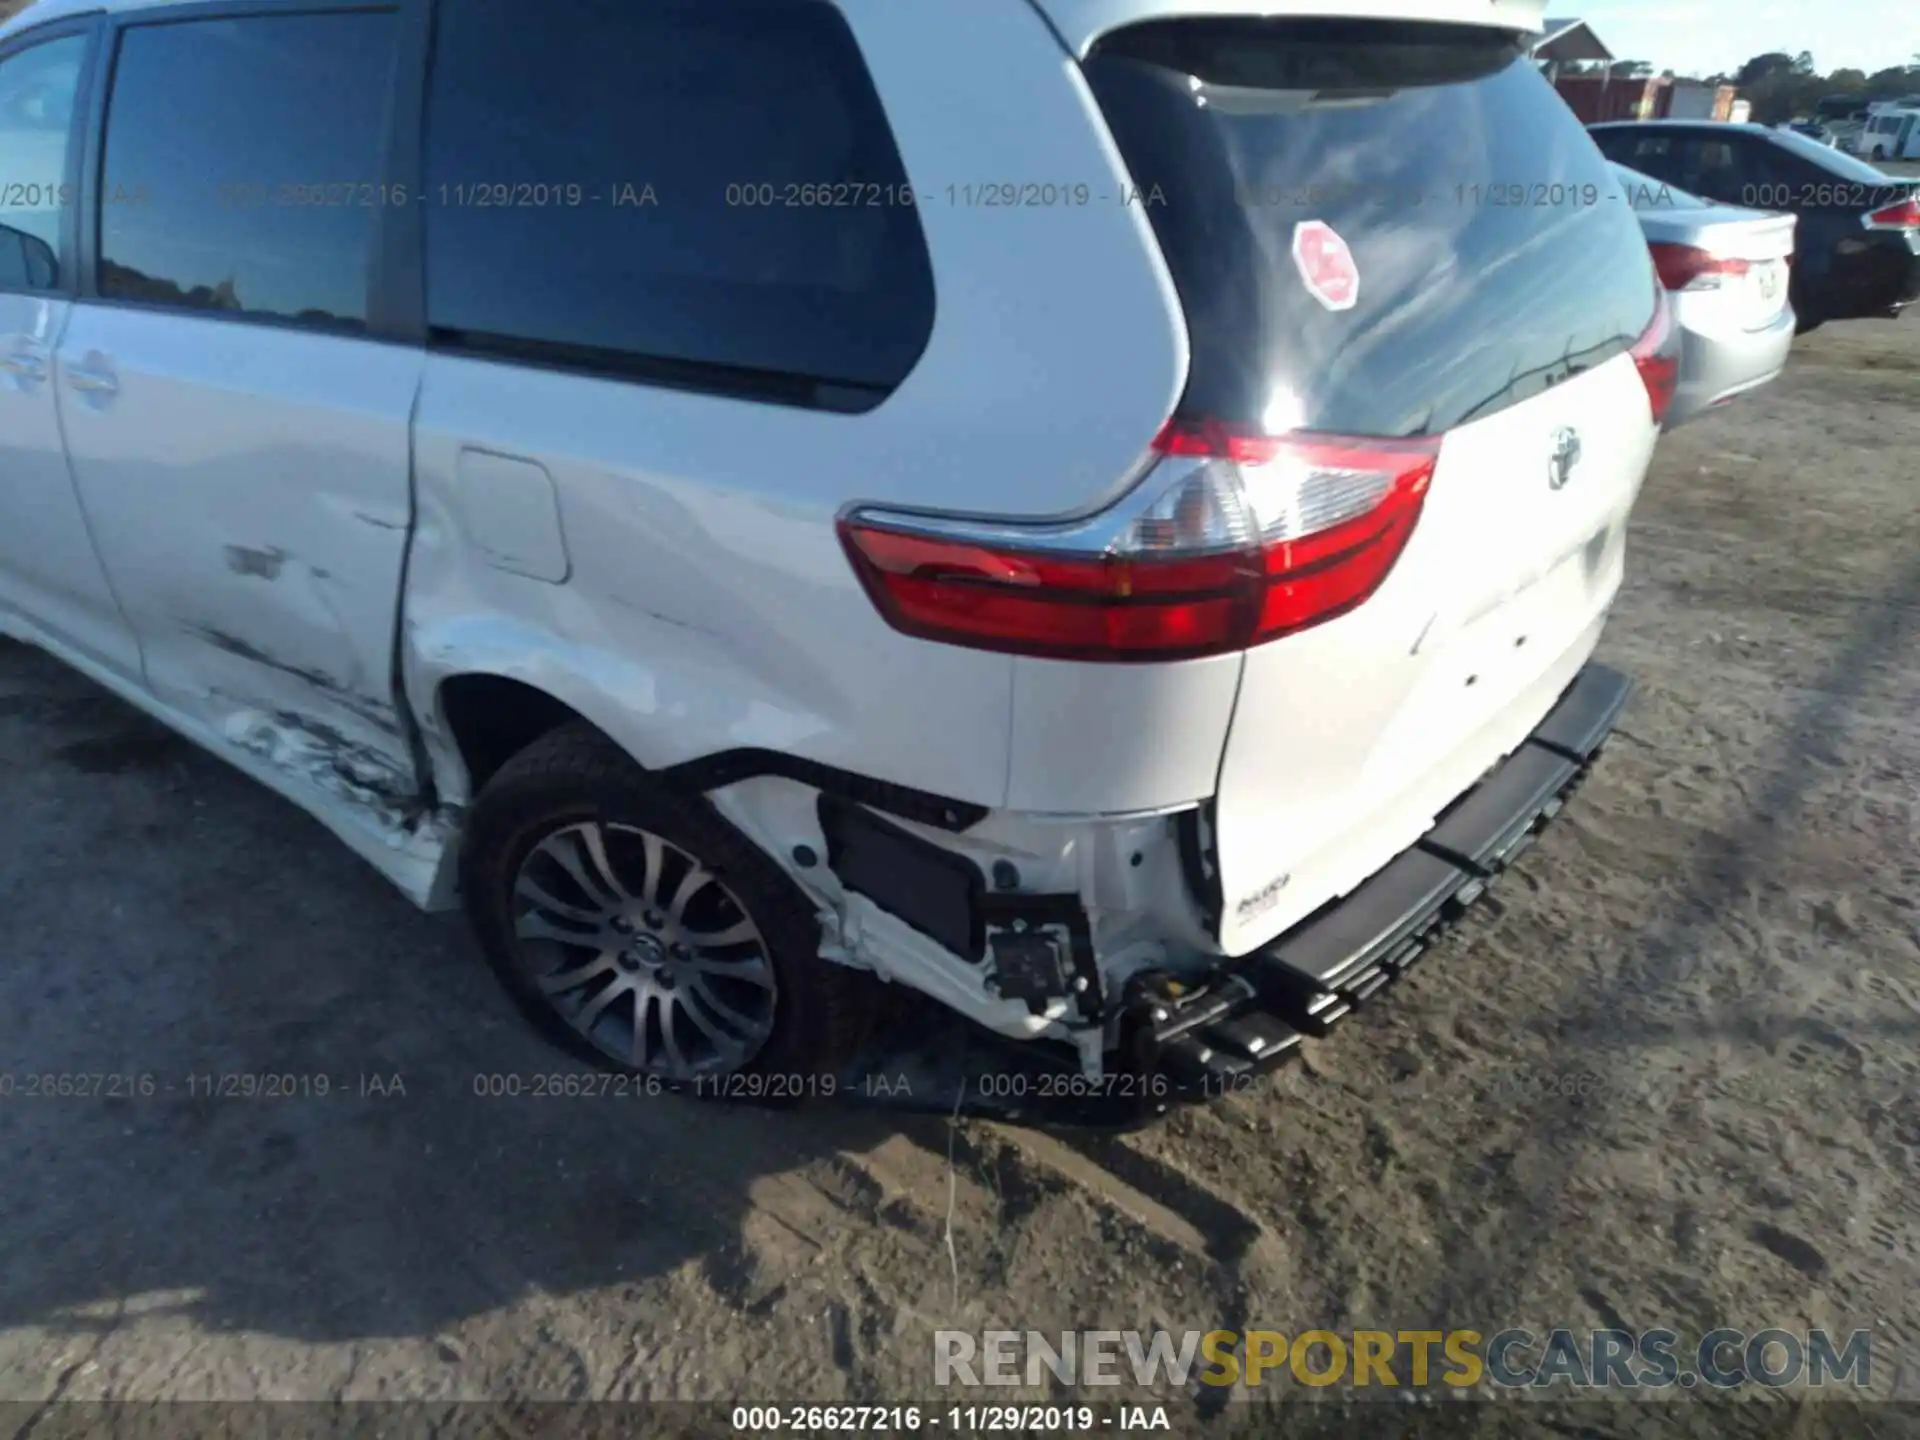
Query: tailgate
[[1348, 740], [1755, 249], [1381, 232], [1766, 244]]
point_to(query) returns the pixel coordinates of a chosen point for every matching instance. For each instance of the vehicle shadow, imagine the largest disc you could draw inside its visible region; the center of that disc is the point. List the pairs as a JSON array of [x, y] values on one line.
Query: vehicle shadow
[[173, 934], [1722, 872]]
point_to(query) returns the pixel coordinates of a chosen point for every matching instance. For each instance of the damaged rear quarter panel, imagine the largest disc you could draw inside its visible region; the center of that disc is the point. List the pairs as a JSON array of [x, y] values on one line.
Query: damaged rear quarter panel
[[701, 611]]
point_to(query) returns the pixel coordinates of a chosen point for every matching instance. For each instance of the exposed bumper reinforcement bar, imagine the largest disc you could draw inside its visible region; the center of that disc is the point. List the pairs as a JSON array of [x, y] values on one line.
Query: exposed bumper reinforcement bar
[[1192, 1043]]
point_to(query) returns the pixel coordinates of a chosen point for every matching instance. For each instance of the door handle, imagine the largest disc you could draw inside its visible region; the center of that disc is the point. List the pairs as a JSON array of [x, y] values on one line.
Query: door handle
[[91, 381], [24, 364]]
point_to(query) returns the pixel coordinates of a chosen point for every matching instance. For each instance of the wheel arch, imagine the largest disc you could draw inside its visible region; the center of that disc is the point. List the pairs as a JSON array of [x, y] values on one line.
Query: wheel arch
[[489, 718], [483, 691]]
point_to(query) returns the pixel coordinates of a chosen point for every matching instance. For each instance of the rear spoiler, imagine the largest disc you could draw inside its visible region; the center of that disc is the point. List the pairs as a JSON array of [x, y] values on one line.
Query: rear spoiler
[[1080, 23]]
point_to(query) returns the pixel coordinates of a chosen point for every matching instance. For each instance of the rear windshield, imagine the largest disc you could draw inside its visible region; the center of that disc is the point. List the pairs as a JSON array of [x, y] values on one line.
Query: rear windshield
[[1496, 252], [1837, 162]]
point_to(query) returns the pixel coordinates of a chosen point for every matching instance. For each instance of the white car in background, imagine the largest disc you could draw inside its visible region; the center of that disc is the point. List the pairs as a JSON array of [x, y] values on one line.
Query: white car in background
[[1890, 134], [1727, 271]]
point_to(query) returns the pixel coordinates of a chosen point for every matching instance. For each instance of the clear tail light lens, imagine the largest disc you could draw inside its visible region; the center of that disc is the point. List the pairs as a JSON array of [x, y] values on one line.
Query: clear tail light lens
[[1233, 539]]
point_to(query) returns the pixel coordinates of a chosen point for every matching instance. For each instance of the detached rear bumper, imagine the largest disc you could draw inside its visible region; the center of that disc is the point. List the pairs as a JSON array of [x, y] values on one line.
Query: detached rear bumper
[[1316, 973], [1183, 1043]]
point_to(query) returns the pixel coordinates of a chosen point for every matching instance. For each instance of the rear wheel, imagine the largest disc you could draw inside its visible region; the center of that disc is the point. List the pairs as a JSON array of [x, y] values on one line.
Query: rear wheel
[[642, 932], [1805, 319]]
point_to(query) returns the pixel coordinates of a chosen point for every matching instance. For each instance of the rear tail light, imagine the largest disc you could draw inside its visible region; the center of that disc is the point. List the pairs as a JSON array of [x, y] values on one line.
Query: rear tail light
[[1903, 216], [1657, 354], [1683, 267], [1232, 540]]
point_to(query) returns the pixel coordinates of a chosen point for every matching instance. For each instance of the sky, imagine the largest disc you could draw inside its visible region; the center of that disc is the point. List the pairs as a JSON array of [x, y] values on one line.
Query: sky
[[1703, 36]]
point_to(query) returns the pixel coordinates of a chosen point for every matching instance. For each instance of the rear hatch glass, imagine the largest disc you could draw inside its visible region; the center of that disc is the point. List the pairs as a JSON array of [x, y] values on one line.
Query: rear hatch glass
[[1496, 255], [1876, 185]]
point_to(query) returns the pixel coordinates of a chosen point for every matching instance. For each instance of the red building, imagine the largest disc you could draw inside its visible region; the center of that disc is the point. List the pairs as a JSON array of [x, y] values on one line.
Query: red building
[[1579, 65]]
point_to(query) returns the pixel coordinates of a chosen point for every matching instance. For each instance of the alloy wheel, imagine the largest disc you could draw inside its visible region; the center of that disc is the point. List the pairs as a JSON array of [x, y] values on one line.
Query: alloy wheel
[[645, 952]]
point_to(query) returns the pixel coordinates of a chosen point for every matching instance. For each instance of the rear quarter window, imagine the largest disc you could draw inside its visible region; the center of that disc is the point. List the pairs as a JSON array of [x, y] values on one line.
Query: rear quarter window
[[1497, 252], [698, 192]]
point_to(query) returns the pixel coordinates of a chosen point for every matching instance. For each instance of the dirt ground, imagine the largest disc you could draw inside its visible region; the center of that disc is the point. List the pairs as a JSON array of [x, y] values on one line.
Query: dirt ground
[[1719, 943]]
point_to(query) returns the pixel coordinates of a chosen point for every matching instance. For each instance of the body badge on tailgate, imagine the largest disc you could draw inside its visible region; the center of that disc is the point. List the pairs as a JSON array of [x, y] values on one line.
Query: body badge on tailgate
[[1262, 900]]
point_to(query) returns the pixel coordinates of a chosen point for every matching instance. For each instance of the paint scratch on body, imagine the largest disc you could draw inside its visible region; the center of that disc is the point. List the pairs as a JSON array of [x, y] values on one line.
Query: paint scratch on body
[[376, 713], [333, 763]]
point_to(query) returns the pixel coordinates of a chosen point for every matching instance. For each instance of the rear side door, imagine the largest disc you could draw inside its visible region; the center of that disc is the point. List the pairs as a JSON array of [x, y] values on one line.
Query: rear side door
[[235, 388], [1641, 147], [49, 572]]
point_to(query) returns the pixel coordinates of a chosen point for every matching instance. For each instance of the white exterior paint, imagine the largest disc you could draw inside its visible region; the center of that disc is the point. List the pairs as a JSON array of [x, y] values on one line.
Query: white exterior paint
[[1349, 740], [48, 566], [1082, 22], [287, 520], [248, 492]]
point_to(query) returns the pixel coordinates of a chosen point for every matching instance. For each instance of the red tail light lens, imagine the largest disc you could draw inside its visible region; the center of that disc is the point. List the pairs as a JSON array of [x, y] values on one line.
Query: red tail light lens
[[1904, 216], [1657, 354], [1683, 267], [1093, 607], [1232, 540]]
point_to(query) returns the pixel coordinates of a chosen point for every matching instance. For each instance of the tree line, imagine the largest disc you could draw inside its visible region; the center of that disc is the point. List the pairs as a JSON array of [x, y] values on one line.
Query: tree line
[[1786, 87]]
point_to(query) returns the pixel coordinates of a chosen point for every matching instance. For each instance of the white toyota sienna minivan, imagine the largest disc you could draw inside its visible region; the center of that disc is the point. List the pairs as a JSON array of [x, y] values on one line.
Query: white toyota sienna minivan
[[1095, 511]]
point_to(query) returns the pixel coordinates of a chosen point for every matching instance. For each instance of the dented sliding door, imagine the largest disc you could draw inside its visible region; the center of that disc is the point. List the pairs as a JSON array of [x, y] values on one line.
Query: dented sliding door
[[237, 434]]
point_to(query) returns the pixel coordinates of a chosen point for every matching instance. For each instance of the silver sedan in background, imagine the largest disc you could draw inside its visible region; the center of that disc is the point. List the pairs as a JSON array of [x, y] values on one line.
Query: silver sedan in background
[[1726, 271]]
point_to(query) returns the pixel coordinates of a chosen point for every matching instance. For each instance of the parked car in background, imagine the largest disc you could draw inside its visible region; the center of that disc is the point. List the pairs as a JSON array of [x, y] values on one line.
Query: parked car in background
[[1813, 130], [1891, 134], [1843, 115], [1858, 244], [1727, 271]]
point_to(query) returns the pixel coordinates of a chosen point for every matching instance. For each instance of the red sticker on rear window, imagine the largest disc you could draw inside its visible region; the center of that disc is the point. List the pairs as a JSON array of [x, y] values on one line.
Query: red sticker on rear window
[[1326, 264]]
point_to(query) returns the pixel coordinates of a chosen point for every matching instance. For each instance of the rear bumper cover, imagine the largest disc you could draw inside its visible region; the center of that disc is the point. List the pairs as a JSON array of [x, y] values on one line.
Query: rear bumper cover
[[1715, 367], [1186, 1043], [1318, 972]]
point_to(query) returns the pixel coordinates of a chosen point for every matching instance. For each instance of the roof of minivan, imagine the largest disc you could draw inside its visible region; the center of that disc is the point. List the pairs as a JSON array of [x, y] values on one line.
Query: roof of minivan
[[44, 10], [1081, 22]]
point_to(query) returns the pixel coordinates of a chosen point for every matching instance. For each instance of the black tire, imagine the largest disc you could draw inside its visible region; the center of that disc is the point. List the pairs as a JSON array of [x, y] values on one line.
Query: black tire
[[1805, 319], [575, 775]]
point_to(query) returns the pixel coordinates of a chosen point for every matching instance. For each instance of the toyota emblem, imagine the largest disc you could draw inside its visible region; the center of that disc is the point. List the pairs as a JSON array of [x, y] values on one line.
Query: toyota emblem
[[1566, 456]]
